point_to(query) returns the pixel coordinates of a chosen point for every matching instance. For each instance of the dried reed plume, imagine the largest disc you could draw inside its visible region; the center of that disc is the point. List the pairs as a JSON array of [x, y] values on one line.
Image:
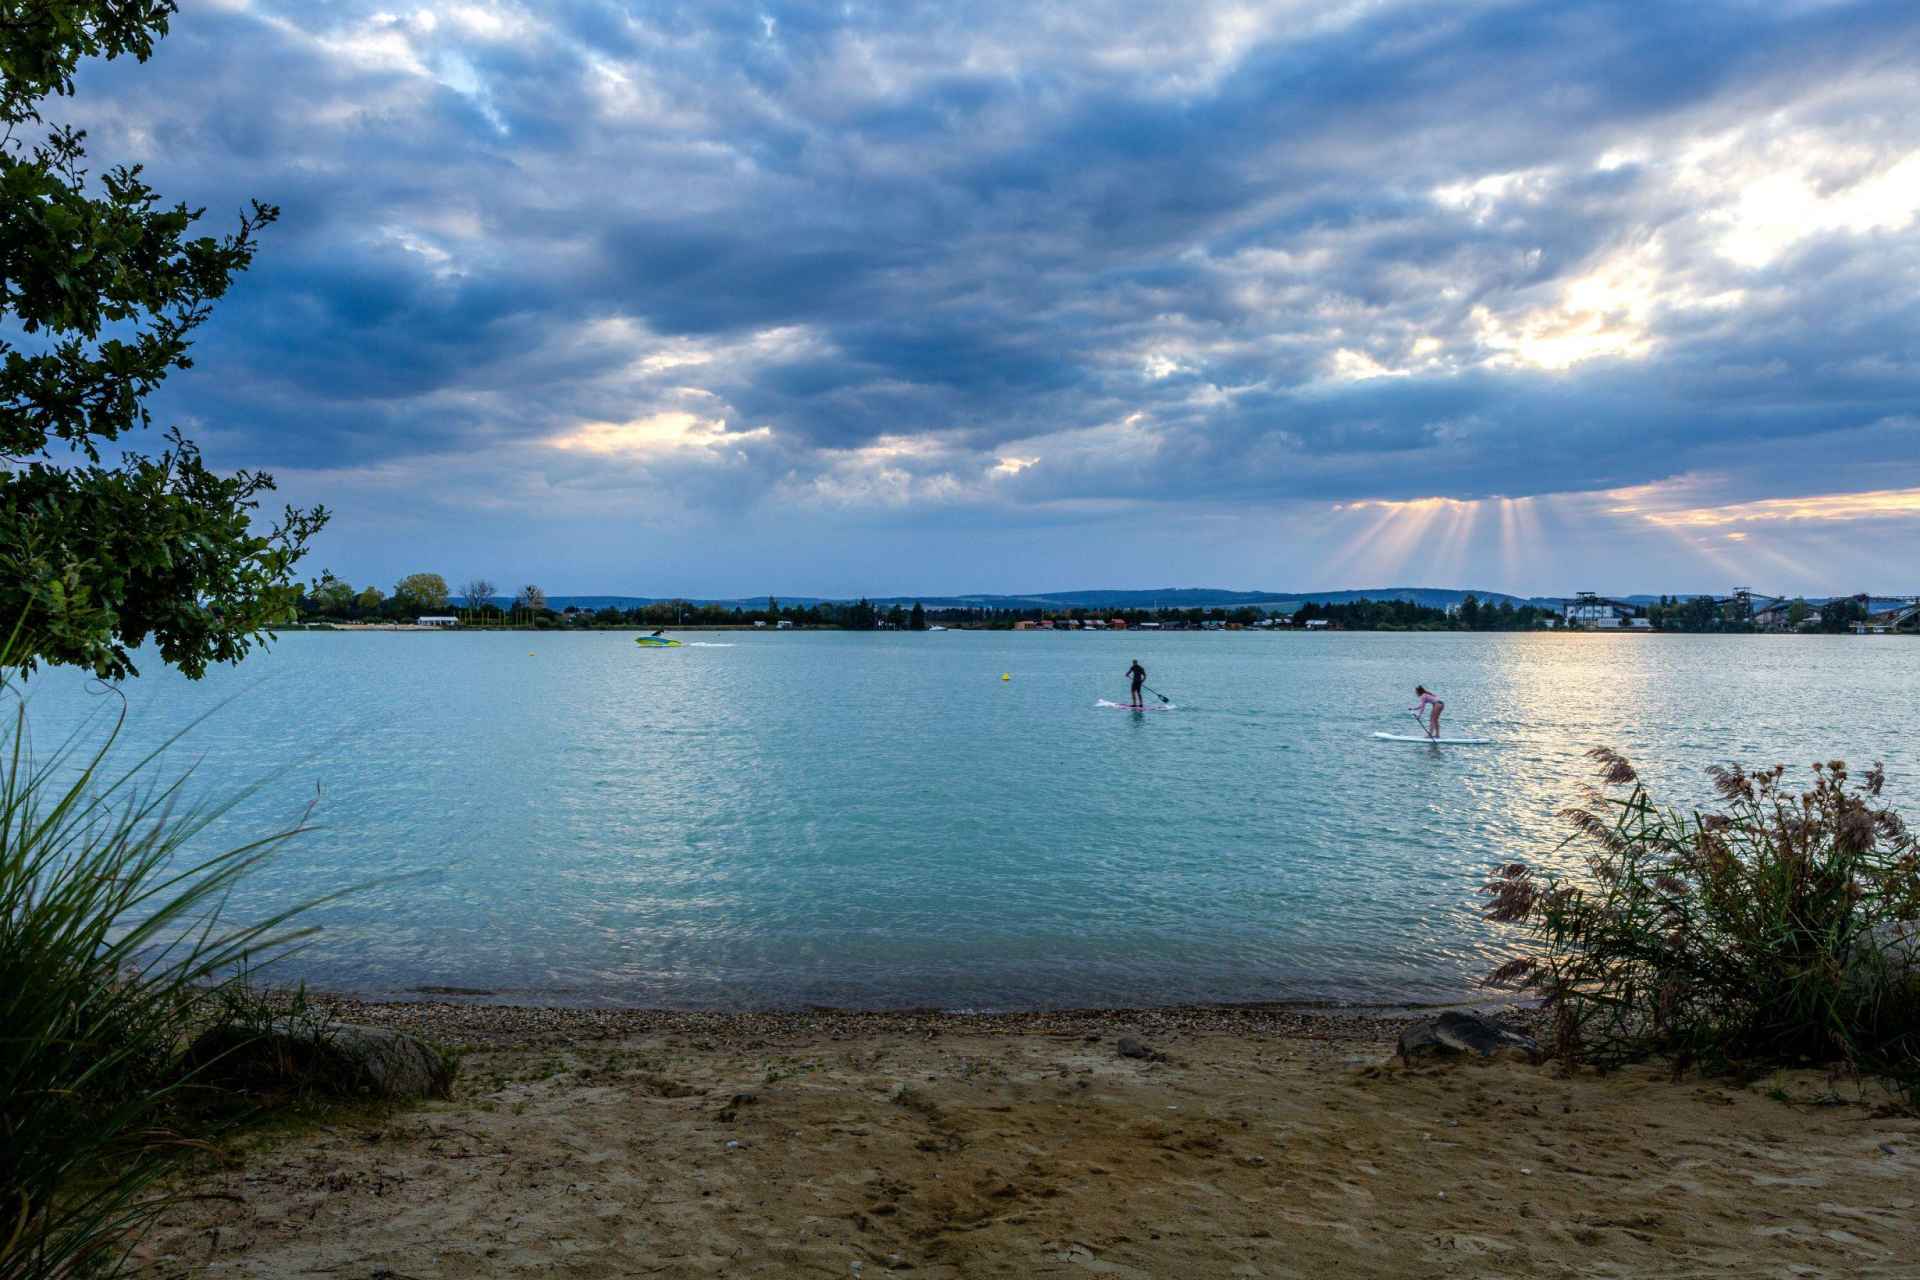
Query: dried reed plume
[[1617, 771]]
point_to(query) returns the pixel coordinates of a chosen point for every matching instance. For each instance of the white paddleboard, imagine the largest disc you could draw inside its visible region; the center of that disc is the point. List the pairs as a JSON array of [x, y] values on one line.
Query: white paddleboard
[[1121, 706], [1442, 742]]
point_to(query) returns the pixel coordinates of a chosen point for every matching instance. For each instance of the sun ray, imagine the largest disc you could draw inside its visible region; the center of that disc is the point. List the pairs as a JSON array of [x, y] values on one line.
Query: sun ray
[[1825, 507], [1344, 559]]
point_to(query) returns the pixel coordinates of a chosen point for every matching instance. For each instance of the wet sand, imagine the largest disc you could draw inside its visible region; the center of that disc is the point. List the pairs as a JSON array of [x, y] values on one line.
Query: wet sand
[[1277, 1142]]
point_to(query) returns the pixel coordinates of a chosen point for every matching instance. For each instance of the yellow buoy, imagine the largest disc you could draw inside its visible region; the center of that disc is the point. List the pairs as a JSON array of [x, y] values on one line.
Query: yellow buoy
[[1006, 675]]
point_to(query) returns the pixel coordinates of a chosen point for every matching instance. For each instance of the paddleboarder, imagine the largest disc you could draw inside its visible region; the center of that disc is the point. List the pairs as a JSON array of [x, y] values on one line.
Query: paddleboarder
[[1137, 677], [1427, 700]]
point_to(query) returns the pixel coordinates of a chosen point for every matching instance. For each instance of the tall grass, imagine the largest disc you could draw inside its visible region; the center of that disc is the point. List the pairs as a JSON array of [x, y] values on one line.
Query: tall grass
[[113, 949], [1778, 927]]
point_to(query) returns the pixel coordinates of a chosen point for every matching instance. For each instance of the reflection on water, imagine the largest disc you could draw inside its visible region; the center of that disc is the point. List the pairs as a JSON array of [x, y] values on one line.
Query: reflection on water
[[881, 820]]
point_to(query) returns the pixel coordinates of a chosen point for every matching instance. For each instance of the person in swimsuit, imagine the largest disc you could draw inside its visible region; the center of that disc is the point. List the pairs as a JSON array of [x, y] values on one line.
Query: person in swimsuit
[[1137, 674], [1427, 699]]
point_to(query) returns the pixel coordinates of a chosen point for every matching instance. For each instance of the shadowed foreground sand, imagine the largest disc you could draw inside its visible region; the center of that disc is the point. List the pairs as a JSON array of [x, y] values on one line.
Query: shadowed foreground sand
[[1265, 1145]]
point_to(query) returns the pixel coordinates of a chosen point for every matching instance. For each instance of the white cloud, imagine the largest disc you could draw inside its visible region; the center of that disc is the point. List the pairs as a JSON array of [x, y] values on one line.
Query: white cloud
[[665, 432]]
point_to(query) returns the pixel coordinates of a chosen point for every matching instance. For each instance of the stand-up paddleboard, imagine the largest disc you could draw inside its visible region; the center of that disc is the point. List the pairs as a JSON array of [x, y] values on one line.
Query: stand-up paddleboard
[[1439, 742], [654, 642], [1121, 706]]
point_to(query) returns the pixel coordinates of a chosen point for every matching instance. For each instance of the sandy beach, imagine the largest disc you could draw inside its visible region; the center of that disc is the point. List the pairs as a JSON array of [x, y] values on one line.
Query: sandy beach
[[1249, 1142]]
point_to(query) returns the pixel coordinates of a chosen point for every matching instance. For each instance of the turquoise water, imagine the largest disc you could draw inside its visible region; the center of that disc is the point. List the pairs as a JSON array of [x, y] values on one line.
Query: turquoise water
[[880, 820]]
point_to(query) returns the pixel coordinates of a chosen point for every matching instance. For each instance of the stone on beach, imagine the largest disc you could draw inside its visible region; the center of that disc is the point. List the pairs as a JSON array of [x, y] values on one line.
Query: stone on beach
[[1454, 1032], [1131, 1048], [331, 1057]]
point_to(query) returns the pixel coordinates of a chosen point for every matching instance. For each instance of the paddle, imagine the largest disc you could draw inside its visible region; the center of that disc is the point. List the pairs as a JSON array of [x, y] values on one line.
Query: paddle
[[1422, 723], [1156, 693]]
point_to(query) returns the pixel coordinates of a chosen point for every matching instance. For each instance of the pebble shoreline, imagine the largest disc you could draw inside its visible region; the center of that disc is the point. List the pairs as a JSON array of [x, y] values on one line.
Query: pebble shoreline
[[503, 1025]]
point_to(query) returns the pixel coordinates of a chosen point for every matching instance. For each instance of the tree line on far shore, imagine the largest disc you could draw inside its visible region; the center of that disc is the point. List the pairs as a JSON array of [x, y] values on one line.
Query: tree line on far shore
[[479, 602], [1704, 613]]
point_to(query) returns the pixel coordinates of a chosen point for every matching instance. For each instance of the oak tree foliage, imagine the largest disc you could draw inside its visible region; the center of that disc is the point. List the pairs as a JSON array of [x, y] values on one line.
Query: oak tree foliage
[[422, 591], [102, 285]]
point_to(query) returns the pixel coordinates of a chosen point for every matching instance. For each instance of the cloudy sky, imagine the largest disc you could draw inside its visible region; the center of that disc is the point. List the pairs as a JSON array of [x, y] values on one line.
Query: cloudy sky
[[723, 298]]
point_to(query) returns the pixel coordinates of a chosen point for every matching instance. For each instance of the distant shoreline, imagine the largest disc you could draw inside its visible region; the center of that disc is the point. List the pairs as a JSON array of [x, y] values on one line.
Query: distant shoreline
[[408, 628]]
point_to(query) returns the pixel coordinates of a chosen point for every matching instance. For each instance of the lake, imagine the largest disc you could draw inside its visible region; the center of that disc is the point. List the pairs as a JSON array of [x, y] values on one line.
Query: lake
[[881, 820]]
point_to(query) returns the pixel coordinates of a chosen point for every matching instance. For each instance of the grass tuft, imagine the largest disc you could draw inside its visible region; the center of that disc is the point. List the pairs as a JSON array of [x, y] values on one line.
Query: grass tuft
[[113, 951]]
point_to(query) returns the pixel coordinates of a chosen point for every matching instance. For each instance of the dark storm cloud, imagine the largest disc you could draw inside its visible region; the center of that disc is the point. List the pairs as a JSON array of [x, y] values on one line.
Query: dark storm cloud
[[1342, 252]]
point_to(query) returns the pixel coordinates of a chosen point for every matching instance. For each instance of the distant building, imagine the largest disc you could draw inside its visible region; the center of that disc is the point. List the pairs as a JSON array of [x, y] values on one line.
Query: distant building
[[1316, 624], [1118, 624], [435, 620], [1777, 616], [783, 625], [1589, 610], [761, 625]]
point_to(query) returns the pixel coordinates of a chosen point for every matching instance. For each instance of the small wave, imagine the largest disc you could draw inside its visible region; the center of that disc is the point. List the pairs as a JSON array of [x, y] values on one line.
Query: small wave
[[708, 644]]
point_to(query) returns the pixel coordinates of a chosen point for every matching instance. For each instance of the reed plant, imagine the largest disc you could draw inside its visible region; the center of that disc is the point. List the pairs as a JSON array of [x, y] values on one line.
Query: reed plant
[[114, 950], [1778, 927]]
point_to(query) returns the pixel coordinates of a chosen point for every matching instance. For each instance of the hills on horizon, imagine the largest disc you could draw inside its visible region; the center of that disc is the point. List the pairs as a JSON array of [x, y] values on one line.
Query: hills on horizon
[[1161, 598]]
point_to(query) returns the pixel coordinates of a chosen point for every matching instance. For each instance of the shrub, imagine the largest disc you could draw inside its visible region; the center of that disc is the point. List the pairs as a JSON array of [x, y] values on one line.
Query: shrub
[[112, 950], [1779, 927]]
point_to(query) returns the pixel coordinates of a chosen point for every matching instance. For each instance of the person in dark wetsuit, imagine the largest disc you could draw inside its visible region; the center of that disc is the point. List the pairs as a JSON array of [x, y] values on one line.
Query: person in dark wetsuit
[[1137, 675]]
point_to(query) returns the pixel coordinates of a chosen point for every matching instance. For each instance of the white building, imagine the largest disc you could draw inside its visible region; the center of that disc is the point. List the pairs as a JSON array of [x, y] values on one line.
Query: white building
[[783, 625], [436, 620], [1589, 610]]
